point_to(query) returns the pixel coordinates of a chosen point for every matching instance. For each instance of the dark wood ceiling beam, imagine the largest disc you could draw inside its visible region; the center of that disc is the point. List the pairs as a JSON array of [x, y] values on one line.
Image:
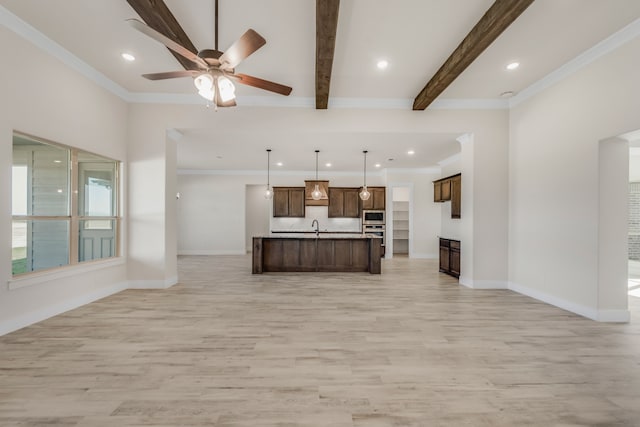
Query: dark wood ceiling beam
[[326, 27], [499, 16], [157, 15]]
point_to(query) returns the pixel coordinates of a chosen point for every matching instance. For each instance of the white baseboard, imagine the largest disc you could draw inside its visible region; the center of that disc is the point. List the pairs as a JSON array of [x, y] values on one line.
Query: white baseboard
[[208, 252], [613, 316], [37, 316], [153, 284], [483, 284]]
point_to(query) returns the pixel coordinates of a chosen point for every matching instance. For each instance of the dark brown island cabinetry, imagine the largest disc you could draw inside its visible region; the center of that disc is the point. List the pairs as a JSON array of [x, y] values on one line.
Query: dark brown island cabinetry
[[288, 202], [449, 189], [344, 202], [450, 257], [321, 254], [377, 201]]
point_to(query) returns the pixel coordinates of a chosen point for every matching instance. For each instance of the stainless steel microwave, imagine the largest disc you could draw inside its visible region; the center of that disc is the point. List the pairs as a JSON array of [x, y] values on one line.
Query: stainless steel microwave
[[373, 217]]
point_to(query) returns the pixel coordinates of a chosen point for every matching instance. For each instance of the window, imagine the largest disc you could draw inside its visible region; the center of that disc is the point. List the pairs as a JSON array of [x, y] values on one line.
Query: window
[[64, 206]]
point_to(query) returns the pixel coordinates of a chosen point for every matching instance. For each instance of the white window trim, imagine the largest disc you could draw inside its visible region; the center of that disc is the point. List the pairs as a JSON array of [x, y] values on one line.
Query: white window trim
[[49, 275]]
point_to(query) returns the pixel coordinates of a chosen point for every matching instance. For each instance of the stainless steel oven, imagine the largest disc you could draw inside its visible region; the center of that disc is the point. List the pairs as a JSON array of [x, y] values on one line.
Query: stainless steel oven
[[373, 217], [376, 230]]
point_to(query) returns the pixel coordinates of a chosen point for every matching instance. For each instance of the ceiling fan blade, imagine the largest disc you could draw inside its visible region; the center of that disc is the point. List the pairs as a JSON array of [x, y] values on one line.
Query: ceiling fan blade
[[157, 15], [171, 74], [261, 84], [145, 29], [248, 43]]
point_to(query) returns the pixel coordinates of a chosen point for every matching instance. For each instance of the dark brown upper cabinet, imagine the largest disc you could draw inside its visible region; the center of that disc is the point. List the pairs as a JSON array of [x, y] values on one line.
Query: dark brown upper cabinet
[[449, 189], [456, 189], [288, 202], [377, 201], [344, 202]]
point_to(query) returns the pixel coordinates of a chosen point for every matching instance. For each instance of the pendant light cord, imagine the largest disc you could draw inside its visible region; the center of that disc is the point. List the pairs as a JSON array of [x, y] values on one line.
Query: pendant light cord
[[317, 151], [268, 162], [365, 168]]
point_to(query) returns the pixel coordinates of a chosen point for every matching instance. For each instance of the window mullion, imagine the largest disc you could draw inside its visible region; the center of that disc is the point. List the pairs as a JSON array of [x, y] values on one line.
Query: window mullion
[[74, 226]]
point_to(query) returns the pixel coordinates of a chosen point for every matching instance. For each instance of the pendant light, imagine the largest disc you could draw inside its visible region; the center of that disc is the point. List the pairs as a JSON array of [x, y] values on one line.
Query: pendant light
[[269, 192], [364, 194], [316, 194]]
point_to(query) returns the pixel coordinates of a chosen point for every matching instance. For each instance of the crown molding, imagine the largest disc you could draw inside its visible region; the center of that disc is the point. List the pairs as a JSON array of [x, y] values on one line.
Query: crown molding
[[602, 48], [427, 171], [449, 160], [29, 33], [276, 173]]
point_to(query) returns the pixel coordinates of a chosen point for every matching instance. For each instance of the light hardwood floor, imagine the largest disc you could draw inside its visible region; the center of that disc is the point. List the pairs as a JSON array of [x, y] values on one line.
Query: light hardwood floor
[[409, 347]]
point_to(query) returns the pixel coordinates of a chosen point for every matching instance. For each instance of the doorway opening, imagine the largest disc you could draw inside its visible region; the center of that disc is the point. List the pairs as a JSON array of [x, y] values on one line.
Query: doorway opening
[[401, 208], [633, 241]]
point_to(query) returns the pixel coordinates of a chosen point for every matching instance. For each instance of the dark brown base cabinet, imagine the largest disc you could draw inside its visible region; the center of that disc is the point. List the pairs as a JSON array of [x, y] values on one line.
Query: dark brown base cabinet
[[450, 257], [304, 254]]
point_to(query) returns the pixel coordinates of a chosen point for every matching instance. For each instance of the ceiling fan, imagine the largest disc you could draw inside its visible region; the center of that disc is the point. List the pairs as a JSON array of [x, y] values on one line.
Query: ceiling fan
[[211, 69]]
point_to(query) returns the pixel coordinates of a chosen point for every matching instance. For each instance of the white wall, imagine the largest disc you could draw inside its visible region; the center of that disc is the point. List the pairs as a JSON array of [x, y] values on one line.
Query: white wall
[[257, 210], [554, 182], [401, 194], [67, 109]]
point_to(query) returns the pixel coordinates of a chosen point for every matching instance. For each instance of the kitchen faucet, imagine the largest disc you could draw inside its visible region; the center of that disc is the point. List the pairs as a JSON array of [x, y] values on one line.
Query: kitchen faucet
[[315, 221]]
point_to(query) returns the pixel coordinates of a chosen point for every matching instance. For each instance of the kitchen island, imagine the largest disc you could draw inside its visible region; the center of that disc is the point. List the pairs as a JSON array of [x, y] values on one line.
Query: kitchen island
[[324, 252]]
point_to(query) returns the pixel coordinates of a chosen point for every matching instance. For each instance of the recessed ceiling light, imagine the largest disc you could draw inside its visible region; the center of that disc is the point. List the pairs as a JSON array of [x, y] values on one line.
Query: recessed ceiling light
[[507, 94], [57, 161], [128, 57], [378, 165], [218, 157], [279, 164], [513, 66], [328, 165], [411, 152], [59, 190], [382, 64]]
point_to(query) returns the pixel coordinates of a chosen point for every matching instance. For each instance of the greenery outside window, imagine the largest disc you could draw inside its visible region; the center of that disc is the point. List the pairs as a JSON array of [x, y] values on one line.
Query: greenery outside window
[[64, 205]]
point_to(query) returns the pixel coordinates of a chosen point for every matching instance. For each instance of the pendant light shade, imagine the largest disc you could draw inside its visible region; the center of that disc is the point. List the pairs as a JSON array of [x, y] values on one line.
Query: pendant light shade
[[316, 194], [268, 194], [365, 194]]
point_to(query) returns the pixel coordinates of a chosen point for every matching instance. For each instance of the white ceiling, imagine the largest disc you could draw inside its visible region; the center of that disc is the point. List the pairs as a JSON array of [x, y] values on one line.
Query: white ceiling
[[415, 36]]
